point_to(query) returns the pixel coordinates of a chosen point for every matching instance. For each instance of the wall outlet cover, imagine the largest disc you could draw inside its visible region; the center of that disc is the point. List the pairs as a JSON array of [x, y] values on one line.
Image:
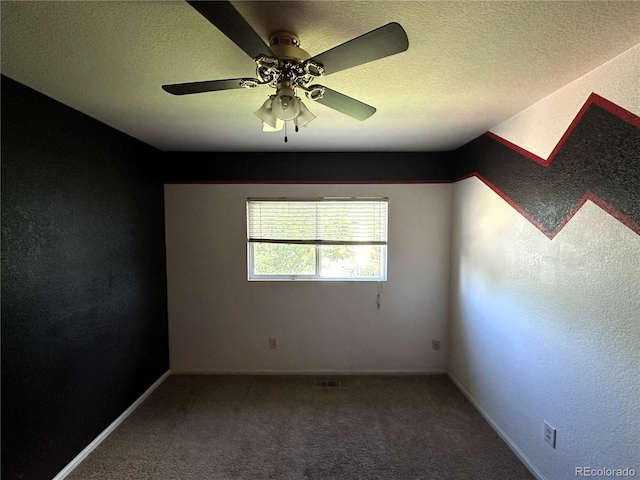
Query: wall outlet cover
[[549, 434]]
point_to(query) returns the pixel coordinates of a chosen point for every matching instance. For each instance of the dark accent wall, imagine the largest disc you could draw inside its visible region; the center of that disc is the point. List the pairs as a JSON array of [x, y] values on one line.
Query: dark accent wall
[[84, 319], [307, 167], [84, 316], [598, 160]]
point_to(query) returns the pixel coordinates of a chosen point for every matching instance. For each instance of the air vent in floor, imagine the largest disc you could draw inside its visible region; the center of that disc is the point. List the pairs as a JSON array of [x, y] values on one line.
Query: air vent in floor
[[328, 383]]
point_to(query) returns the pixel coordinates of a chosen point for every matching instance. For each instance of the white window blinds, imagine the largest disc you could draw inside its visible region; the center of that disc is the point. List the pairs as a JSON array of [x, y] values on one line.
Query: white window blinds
[[330, 221]]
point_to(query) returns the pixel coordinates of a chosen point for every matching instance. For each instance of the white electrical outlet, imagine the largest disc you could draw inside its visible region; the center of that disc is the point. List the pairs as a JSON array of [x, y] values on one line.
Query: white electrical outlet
[[549, 434], [435, 344], [273, 343]]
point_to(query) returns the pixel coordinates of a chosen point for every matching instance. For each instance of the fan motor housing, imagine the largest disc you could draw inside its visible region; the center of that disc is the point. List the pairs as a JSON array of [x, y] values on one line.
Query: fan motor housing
[[286, 45]]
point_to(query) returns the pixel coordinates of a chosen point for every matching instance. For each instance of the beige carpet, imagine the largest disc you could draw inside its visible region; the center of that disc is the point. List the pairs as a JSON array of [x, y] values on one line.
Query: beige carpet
[[286, 427]]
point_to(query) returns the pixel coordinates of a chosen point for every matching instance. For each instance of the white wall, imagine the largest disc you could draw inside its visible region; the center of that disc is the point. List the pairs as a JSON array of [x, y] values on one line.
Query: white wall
[[538, 128], [220, 322], [550, 329]]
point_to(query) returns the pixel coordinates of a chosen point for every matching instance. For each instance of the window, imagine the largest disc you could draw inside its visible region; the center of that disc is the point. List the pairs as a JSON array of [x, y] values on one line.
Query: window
[[317, 239]]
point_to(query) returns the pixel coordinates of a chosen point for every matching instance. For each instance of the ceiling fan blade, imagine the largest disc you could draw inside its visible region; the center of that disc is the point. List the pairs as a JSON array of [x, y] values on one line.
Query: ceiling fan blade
[[379, 43], [228, 20], [201, 87], [347, 105]]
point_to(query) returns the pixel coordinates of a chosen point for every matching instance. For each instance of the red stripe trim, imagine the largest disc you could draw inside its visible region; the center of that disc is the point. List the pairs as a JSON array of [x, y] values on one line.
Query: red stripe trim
[[306, 182], [607, 207], [525, 153], [610, 107], [594, 99], [613, 211]]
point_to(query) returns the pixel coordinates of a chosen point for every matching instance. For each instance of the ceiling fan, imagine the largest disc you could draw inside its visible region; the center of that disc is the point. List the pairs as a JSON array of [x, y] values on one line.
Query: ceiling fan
[[285, 66]]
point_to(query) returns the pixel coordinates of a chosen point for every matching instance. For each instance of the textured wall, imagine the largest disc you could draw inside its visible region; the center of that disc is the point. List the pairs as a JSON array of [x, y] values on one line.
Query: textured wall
[[84, 323], [308, 167], [539, 128], [544, 311], [83, 302], [598, 159], [220, 322]]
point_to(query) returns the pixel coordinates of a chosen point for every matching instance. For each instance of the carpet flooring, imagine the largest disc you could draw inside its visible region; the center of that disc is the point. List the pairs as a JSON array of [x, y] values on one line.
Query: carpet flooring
[[286, 427]]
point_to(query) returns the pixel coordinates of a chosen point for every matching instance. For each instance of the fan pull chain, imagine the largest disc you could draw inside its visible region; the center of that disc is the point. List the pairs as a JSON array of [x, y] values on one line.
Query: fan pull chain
[[285, 132]]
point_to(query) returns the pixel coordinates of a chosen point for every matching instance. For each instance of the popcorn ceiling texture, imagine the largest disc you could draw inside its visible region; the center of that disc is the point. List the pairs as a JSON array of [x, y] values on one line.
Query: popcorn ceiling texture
[[539, 128], [541, 329], [469, 67]]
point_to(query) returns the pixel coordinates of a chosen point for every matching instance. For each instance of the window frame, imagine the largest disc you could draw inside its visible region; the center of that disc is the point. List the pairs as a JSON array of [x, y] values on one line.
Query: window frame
[[316, 277]]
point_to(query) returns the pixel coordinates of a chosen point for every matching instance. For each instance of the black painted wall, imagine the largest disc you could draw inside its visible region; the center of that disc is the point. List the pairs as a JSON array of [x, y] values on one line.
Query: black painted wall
[[601, 155], [84, 319], [301, 167], [598, 160]]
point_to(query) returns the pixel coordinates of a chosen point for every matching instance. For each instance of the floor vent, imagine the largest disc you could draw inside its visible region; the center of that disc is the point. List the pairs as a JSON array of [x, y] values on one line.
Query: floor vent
[[328, 383]]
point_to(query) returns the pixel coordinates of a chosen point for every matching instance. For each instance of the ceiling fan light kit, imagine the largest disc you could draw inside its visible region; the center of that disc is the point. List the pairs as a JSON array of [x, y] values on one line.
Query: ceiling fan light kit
[[286, 106], [285, 66]]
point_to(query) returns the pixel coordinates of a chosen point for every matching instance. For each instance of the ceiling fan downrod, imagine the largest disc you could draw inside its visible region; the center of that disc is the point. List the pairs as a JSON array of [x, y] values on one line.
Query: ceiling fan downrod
[[285, 66], [290, 69]]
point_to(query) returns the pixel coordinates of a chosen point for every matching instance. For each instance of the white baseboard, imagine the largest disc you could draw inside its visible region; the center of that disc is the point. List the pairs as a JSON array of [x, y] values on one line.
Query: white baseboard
[[308, 372], [98, 440], [510, 443]]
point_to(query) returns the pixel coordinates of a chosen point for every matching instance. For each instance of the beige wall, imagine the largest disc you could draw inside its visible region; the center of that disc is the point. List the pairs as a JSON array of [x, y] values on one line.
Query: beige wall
[[220, 322], [538, 128], [550, 329]]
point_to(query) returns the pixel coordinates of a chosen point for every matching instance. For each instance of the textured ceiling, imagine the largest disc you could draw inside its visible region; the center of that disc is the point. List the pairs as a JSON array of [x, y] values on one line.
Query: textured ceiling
[[469, 66]]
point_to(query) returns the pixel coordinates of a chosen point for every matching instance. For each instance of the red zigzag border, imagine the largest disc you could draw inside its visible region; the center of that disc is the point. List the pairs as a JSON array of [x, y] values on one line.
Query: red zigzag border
[[594, 99]]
